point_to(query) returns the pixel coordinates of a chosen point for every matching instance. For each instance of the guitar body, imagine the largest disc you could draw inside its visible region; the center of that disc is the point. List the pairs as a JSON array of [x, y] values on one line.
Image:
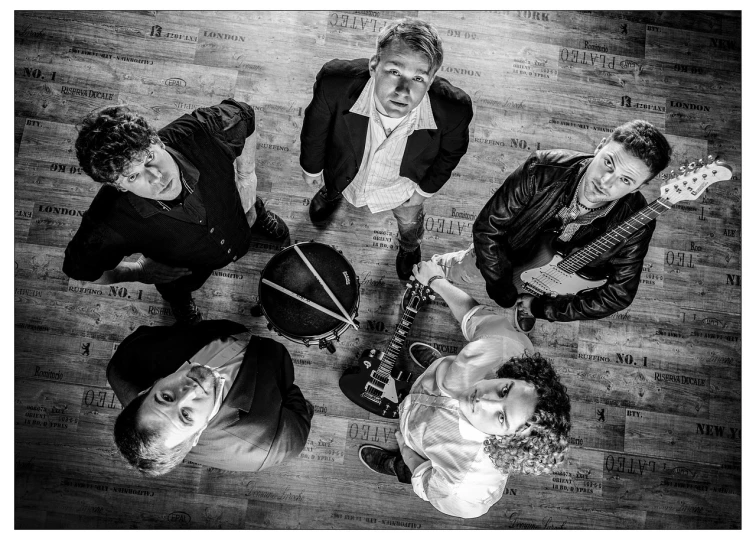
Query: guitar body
[[551, 273], [541, 276], [366, 388]]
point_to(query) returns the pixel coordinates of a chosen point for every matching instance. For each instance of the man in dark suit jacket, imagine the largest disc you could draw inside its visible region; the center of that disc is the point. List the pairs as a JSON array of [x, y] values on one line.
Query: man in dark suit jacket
[[205, 392], [385, 132]]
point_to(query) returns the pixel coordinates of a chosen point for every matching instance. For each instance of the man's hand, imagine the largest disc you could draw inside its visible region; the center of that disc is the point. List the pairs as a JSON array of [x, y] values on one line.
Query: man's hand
[[314, 181], [414, 200], [149, 271], [426, 270]]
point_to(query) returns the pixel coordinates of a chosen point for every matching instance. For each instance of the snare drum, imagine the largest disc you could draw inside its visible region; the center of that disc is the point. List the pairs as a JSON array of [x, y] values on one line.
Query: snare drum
[[294, 301]]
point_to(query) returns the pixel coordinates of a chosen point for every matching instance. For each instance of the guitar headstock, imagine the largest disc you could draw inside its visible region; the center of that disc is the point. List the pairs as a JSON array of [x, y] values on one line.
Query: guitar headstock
[[688, 182], [419, 294]]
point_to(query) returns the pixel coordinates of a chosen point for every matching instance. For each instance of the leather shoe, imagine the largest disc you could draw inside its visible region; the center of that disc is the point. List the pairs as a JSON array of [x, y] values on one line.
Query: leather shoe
[[423, 354], [377, 459], [321, 208], [405, 260], [270, 224]]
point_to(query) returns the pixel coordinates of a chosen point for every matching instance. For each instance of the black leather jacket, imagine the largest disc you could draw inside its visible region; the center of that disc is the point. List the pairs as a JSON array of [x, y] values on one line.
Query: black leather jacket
[[526, 204]]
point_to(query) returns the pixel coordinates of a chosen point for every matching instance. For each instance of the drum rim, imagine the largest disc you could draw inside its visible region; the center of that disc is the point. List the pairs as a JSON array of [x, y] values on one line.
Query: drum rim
[[330, 335]]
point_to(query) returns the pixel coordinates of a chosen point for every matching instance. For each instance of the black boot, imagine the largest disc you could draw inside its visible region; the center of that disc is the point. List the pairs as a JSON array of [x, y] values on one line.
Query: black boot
[[405, 260]]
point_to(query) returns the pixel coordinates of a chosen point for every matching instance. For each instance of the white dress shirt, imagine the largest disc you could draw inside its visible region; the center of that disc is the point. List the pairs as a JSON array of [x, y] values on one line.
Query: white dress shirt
[[378, 183], [458, 478]]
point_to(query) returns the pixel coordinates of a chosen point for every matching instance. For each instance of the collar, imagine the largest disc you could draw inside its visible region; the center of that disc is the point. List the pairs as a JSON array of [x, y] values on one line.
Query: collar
[[189, 174], [365, 106]]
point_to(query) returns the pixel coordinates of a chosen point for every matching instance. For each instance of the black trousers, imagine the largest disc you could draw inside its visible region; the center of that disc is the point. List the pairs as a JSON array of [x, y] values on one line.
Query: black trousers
[[180, 290]]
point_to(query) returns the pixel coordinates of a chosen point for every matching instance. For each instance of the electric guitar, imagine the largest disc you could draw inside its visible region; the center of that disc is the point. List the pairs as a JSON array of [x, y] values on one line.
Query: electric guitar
[[376, 384], [560, 275]]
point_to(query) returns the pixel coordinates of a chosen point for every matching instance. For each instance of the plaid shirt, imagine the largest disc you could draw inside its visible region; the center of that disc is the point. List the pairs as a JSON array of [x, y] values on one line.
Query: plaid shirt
[[458, 477]]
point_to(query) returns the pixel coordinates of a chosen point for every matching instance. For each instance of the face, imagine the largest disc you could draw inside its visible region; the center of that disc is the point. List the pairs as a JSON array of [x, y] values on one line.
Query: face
[[179, 405], [154, 177], [402, 78], [498, 406], [612, 174]]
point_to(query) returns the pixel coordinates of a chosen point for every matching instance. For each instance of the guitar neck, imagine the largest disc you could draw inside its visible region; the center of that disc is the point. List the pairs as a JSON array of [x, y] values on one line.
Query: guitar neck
[[614, 236], [394, 349]]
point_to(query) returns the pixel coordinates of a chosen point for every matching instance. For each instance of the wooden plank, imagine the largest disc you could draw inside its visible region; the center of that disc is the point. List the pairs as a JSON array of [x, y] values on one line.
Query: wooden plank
[[655, 388]]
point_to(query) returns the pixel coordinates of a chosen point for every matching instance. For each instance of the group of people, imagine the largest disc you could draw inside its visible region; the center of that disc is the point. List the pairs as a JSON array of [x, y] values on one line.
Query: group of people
[[385, 132]]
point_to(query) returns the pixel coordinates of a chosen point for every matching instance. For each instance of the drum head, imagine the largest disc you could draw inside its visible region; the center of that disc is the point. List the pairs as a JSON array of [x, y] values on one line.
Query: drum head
[[287, 269]]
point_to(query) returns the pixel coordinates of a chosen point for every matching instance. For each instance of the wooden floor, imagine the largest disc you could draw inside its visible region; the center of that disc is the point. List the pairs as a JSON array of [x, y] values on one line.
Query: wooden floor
[[656, 389]]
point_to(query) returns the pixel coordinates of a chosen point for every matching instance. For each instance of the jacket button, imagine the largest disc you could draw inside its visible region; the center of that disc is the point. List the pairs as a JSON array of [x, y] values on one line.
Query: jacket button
[[223, 241], [212, 230]]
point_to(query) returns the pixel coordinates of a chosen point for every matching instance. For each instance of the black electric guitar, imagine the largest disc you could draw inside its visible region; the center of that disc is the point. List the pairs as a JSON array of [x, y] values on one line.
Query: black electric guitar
[[549, 273], [377, 385]]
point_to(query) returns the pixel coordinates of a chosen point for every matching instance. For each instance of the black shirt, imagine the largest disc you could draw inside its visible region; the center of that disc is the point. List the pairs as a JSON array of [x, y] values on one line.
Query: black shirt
[[207, 230]]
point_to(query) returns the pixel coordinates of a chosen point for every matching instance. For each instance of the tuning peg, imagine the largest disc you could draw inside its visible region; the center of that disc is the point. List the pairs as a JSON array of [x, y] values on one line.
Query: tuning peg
[[409, 285], [682, 169], [412, 278], [432, 296], [710, 159], [700, 162]]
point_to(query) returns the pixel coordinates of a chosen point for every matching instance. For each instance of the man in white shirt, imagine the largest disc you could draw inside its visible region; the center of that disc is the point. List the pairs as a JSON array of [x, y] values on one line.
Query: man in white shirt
[[472, 419], [385, 132]]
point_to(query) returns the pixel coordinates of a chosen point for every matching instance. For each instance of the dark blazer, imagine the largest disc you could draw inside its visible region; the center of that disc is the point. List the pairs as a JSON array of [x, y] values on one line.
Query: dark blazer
[[333, 139], [263, 419]]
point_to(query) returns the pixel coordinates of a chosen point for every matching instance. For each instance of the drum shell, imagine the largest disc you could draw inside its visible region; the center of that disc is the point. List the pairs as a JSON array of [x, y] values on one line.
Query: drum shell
[[295, 319]]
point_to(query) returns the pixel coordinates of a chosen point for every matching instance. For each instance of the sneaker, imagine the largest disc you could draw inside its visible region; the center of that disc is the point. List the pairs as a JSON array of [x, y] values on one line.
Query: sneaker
[[423, 355], [186, 313], [377, 459], [270, 224], [405, 260], [523, 322]]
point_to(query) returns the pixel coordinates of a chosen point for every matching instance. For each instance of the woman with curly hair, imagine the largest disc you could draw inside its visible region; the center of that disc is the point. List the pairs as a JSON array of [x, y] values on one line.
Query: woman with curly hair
[[472, 419]]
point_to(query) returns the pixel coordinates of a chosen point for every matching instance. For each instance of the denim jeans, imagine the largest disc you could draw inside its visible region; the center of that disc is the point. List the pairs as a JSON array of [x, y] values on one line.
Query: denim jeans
[[411, 221]]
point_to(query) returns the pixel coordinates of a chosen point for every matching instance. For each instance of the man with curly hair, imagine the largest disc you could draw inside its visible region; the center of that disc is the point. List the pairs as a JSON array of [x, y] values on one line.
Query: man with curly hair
[[472, 419], [184, 197]]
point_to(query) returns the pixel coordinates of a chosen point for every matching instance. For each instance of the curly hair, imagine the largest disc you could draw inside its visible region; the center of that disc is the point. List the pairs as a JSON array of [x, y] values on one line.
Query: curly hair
[[540, 445], [644, 141], [110, 139], [418, 35], [141, 447]]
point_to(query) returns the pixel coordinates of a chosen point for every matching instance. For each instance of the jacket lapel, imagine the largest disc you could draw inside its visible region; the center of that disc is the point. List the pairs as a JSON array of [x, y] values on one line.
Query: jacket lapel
[[417, 143], [357, 126], [242, 394]]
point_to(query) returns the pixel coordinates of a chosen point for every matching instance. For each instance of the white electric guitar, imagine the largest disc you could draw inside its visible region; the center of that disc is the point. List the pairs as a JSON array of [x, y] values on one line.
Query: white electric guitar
[[559, 275]]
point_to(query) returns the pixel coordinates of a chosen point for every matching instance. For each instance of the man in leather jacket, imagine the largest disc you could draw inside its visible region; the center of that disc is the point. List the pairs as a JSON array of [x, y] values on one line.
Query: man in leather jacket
[[577, 197]]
